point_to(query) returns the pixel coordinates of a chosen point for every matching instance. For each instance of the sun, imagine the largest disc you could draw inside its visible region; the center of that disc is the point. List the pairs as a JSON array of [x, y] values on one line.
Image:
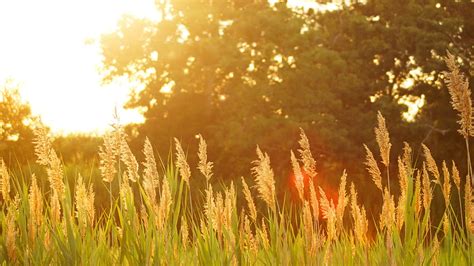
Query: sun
[[50, 48]]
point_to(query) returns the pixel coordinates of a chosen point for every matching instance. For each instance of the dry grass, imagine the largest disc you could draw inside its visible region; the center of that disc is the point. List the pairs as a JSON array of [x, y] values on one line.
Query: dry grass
[[151, 219]]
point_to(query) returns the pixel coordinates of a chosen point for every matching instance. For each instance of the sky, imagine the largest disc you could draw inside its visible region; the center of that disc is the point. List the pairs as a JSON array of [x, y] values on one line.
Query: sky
[[44, 49], [50, 48]]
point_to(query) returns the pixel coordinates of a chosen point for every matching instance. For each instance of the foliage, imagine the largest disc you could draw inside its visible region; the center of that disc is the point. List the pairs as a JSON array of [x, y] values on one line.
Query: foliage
[[235, 79], [16, 124], [72, 153], [236, 71], [395, 43]]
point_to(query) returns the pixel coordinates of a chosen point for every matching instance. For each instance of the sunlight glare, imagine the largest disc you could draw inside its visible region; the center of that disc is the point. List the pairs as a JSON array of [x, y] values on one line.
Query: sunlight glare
[[50, 47]]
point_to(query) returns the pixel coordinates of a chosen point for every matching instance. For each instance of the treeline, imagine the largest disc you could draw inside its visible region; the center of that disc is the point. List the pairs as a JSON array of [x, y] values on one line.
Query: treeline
[[243, 73]]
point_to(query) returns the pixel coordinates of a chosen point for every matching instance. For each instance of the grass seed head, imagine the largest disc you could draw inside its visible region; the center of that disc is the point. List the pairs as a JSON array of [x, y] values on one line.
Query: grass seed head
[[407, 157], [387, 217], [264, 235], [309, 164], [341, 201], [150, 173], [250, 202], [458, 87], [401, 210], [427, 193], [108, 158], [446, 184], [431, 163], [329, 214], [373, 168], [165, 203], [359, 217], [11, 230], [456, 176], [383, 139], [42, 144], [308, 224], [35, 201], [417, 198], [129, 160], [204, 166], [313, 200], [4, 181], [55, 209], [181, 163], [250, 243], [299, 179], [84, 199], [55, 174], [469, 206], [403, 176], [264, 178], [446, 224]]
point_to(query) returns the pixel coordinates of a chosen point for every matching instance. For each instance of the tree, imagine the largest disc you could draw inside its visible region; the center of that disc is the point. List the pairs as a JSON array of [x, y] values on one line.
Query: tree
[[16, 123], [399, 47], [247, 72], [241, 73]]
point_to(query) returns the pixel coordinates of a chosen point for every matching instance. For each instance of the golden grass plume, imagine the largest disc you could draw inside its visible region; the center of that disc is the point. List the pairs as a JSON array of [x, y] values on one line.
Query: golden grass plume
[[264, 178], [383, 139], [4, 181], [373, 168], [309, 164], [181, 163], [458, 87], [204, 166]]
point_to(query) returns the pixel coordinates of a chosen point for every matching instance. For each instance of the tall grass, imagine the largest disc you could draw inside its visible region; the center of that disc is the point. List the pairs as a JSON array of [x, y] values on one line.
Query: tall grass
[[156, 217]]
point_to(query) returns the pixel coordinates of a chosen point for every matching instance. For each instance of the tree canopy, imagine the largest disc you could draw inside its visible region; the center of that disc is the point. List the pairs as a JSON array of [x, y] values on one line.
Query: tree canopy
[[243, 73], [16, 124]]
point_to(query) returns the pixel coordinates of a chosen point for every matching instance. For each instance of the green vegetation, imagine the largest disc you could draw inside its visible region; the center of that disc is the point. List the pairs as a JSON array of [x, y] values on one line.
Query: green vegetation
[[16, 126], [240, 70], [156, 218], [247, 73], [215, 224]]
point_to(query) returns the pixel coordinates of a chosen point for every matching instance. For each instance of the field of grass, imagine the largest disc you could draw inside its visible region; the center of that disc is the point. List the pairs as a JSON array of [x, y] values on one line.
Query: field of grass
[[158, 218], [151, 220]]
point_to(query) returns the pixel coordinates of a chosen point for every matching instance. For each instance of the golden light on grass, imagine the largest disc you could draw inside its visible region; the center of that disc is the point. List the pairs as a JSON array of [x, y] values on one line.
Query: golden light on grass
[[181, 163], [458, 87], [11, 231], [4, 181], [165, 204], [373, 168], [204, 166], [35, 200], [431, 163], [84, 201], [129, 160], [264, 178], [250, 203], [309, 164], [383, 139], [329, 214], [299, 179], [168, 227], [108, 159], [150, 173]]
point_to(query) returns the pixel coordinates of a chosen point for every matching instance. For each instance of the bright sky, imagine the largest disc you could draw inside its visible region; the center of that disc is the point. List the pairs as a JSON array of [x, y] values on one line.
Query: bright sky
[[43, 48]]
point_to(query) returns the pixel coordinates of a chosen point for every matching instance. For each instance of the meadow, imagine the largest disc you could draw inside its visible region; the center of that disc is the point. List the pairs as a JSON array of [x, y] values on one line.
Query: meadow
[[155, 217]]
